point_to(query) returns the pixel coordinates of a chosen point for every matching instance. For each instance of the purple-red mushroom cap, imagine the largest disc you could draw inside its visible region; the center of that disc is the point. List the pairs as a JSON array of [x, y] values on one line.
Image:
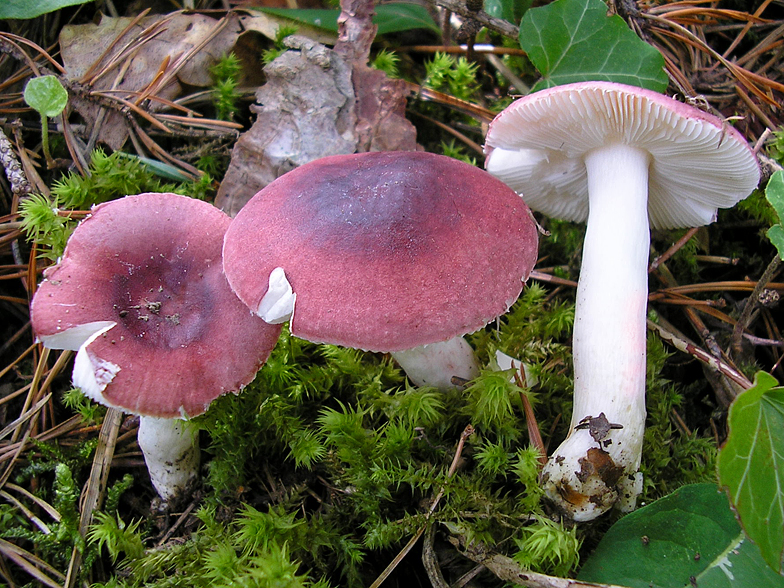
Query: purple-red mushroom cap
[[384, 251], [140, 292], [697, 161]]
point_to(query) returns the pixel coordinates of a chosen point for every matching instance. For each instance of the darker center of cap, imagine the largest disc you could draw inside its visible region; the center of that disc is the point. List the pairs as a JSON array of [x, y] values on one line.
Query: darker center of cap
[[163, 303], [378, 210]]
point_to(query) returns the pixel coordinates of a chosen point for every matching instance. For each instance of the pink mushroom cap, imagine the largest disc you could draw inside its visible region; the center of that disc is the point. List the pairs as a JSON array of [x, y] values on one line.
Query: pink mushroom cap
[[145, 273], [698, 162], [385, 251]]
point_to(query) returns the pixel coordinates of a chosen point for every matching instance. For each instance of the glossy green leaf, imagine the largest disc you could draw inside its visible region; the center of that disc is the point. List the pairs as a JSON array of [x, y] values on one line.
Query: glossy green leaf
[[774, 192], [32, 8], [689, 538], [46, 95], [574, 41], [389, 18], [751, 465], [509, 10]]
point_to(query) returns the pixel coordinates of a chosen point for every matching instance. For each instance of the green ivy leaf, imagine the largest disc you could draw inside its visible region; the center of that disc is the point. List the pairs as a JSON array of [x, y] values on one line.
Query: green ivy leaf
[[751, 465], [46, 95], [689, 538], [509, 10], [31, 9], [774, 192], [575, 41], [390, 18]]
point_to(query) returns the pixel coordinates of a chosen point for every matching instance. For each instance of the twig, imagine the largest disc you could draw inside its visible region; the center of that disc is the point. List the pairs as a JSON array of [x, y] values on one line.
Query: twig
[[496, 24], [96, 485], [751, 303], [709, 360], [430, 561], [507, 569], [674, 248], [180, 520]]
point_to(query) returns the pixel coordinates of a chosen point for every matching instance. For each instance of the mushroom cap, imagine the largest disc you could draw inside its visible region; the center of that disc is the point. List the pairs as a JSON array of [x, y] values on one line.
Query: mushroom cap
[[385, 251], [140, 291], [697, 161]]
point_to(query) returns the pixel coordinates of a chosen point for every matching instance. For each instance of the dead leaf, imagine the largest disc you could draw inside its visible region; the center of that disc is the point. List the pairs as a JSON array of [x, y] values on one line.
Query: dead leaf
[[116, 54]]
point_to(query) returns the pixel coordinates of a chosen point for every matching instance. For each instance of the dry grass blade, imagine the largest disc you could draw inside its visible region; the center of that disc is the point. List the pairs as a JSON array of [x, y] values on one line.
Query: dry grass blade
[[43, 527], [31, 564], [42, 504], [40, 368], [20, 445], [24, 417], [63, 428], [96, 484]]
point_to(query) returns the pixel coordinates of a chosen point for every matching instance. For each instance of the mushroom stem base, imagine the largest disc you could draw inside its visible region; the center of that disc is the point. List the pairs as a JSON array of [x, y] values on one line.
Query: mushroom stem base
[[585, 481], [171, 452], [437, 363]]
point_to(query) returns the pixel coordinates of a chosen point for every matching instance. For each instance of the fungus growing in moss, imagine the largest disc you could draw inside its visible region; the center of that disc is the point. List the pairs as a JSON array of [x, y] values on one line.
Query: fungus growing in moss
[[140, 293], [401, 252], [625, 159]]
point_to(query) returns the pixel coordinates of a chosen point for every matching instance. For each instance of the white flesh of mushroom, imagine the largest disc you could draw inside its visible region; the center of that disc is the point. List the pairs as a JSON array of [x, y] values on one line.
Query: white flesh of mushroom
[[277, 305], [609, 342], [171, 452]]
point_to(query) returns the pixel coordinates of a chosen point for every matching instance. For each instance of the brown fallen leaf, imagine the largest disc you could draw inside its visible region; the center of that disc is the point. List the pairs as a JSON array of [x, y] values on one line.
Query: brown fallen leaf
[[127, 56]]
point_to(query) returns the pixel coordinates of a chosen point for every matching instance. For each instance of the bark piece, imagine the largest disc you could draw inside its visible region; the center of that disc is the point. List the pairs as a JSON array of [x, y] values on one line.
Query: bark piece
[[305, 111]]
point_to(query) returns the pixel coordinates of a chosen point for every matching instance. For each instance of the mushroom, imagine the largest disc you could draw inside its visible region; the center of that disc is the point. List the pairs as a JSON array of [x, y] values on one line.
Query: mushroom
[[140, 293], [400, 252], [626, 160]]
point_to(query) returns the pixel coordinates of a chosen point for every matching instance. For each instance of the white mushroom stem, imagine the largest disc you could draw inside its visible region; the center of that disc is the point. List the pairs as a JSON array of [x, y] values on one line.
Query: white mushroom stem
[[436, 364], [609, 343], [171, 451]]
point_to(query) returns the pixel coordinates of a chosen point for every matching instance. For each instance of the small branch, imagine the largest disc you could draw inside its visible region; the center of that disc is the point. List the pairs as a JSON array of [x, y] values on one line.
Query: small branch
[[751, 304], [709, 360], [673, 249], [507, 569], [500, 26]]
